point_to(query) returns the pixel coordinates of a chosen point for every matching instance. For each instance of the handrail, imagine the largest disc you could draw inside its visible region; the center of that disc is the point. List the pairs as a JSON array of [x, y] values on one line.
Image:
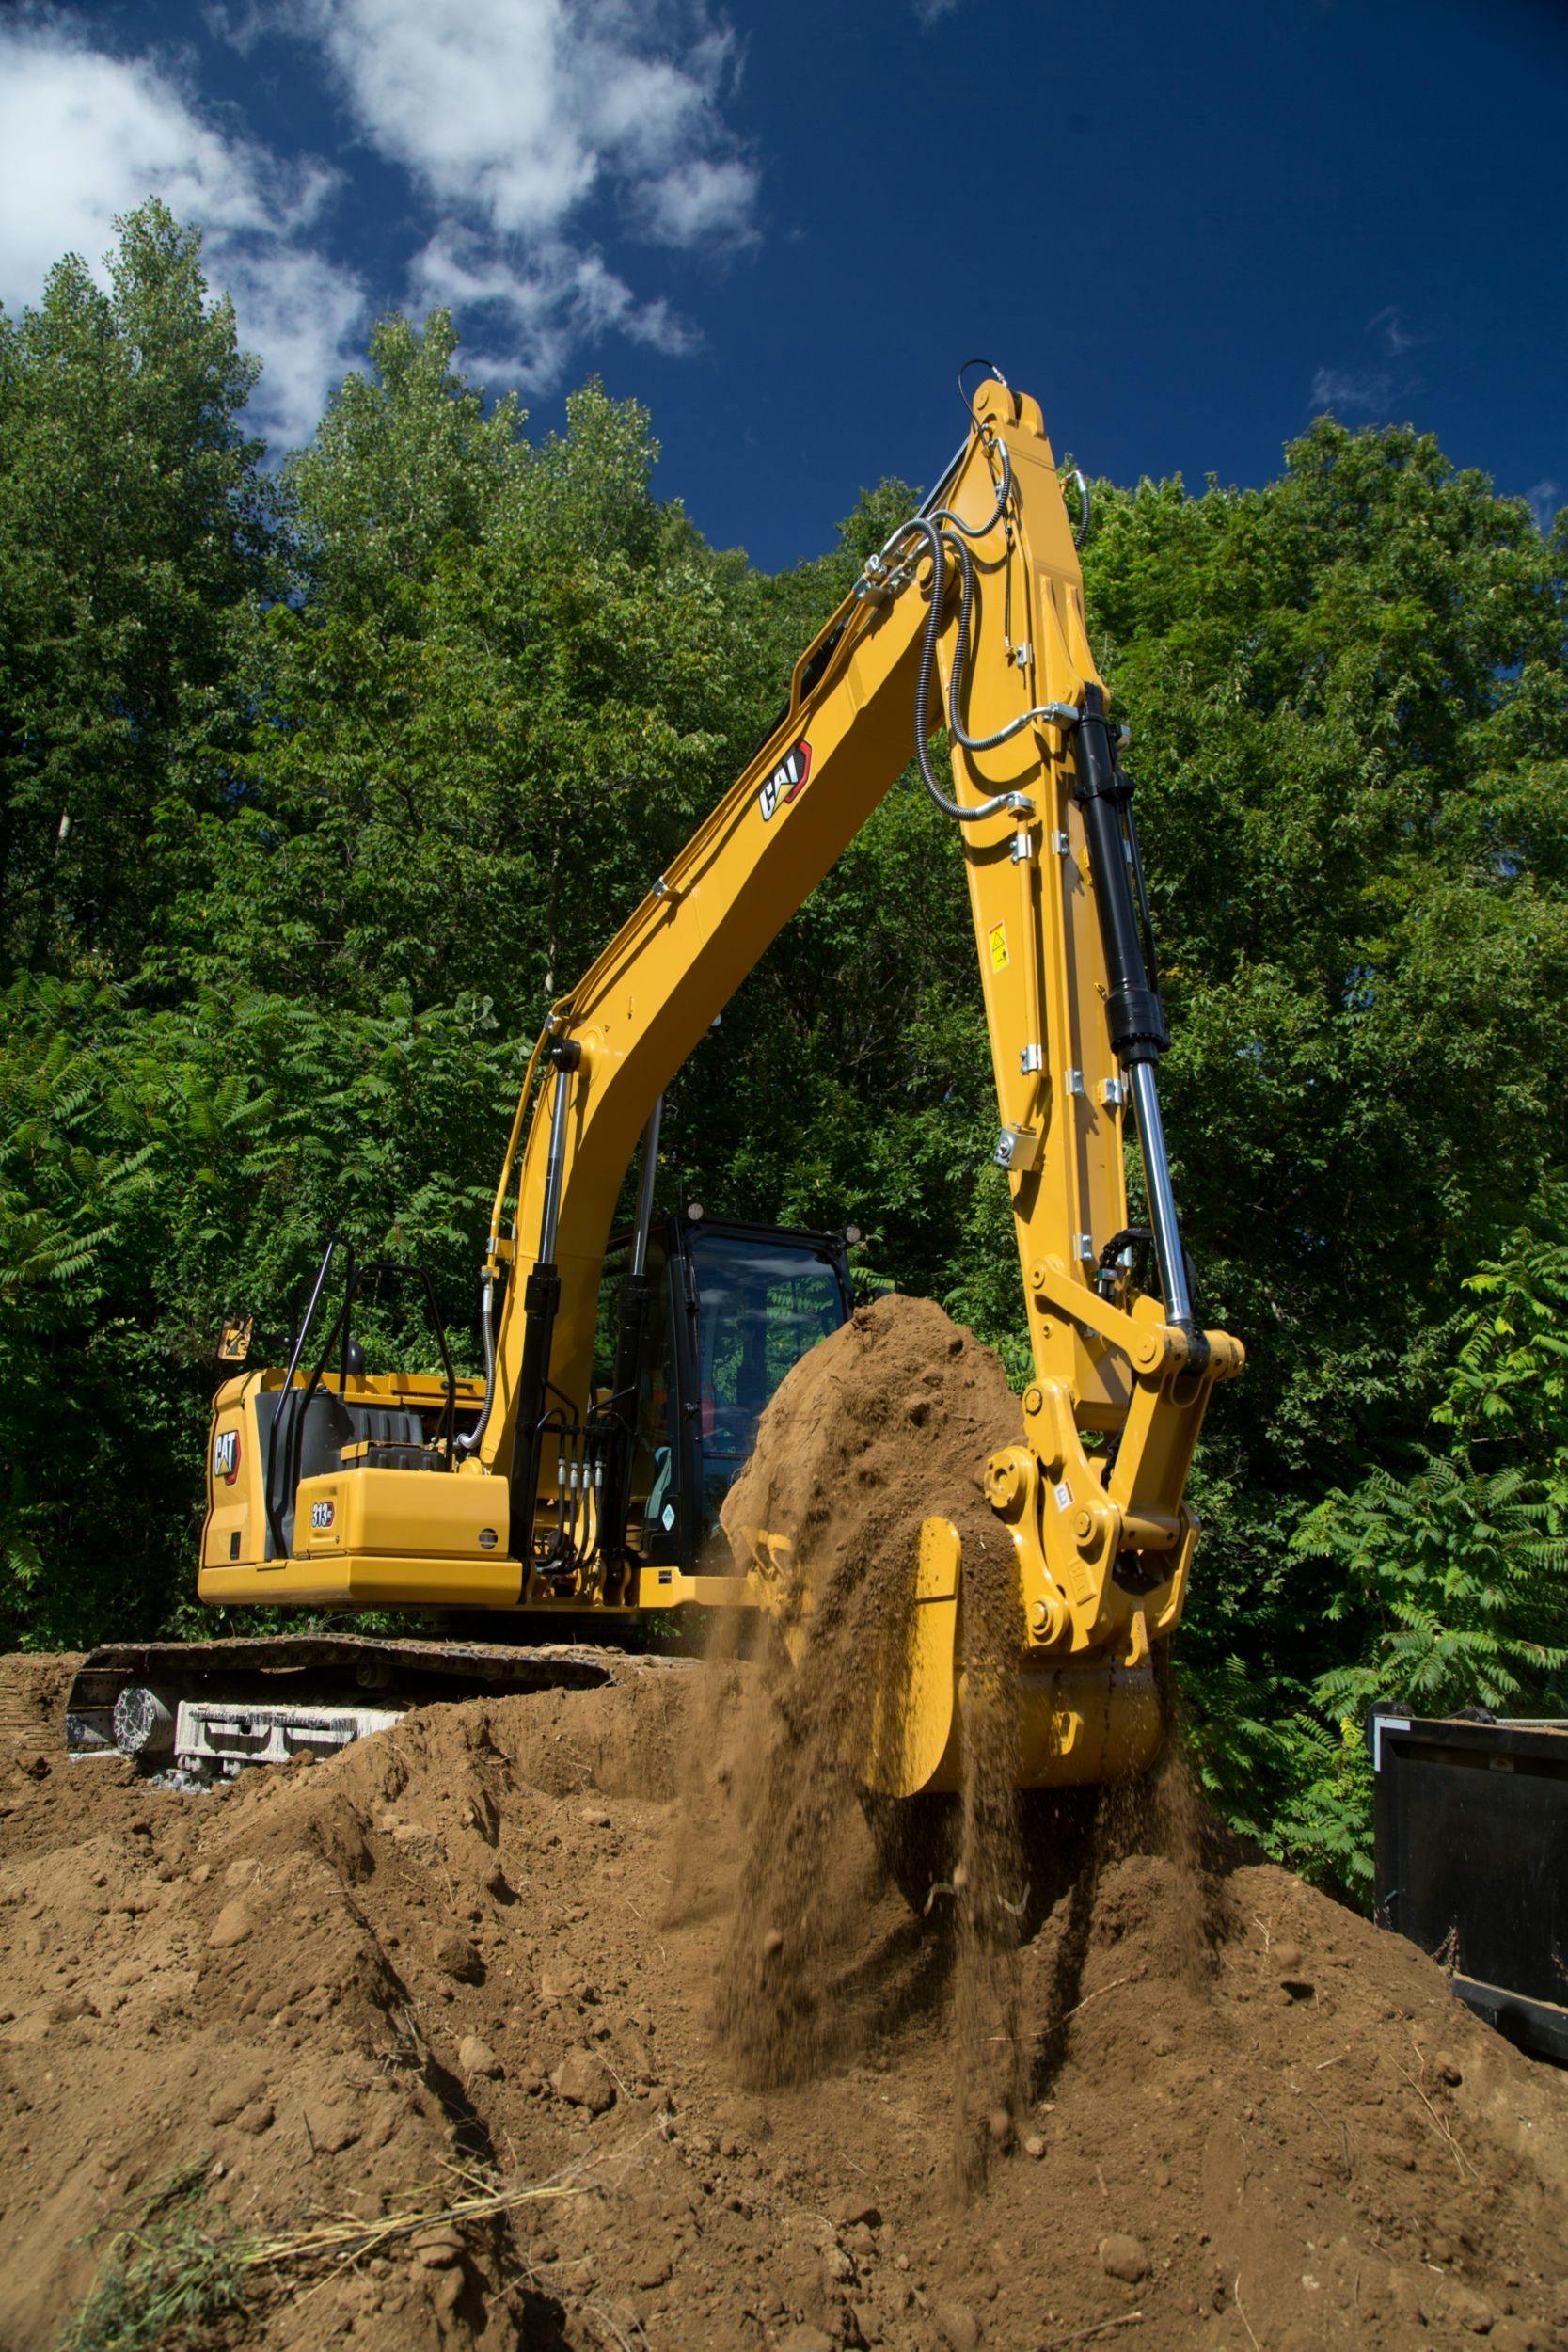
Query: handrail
[[285, 1405]]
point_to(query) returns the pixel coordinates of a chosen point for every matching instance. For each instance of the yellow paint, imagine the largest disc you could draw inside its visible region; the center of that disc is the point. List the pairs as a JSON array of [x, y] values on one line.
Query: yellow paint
[[366, 1509], [910, 1727], [353, 1580]]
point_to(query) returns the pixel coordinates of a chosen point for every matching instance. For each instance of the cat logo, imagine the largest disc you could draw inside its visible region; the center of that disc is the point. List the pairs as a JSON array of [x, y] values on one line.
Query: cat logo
[[787, 781], [225, 1457]]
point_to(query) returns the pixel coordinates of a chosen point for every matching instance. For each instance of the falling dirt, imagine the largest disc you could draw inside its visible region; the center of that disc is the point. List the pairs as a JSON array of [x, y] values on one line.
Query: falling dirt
[[891, 1419], [479, 1962]]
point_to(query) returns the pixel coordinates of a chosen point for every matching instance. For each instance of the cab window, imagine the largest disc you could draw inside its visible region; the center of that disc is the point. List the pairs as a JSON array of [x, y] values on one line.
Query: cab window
[[761, 1305]]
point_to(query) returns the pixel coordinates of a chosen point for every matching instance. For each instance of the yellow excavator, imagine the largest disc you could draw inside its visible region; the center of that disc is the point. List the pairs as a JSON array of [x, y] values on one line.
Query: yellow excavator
[[624, 1374]]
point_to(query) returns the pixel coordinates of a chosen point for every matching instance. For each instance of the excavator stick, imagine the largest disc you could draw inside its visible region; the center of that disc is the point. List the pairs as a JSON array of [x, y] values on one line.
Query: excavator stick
[[1091, 1496]]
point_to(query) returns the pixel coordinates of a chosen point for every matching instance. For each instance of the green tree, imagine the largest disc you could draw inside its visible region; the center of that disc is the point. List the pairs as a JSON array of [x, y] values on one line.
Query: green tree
[[495, 703], [158, 1168], [135, 530], [1449, 1577]]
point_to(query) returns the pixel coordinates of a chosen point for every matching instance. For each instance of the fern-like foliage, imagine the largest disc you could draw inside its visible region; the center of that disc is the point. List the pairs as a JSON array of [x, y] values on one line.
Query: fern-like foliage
[[1465, 1574], [1455, 1577]]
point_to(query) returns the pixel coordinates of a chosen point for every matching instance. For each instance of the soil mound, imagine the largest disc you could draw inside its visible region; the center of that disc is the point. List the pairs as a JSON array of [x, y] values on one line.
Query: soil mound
[[417, 2047], [888, 1422], [446, 1962]]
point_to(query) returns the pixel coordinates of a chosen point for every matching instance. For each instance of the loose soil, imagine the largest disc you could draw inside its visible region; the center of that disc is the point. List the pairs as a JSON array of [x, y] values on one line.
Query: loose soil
[[513, 1941], [890, 1421]]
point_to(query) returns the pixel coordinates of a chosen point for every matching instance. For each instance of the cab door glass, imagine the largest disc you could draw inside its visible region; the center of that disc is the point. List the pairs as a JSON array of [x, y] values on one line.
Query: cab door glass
[[761, 1304], [617, 1263], [653, 1495], [656, 1464]]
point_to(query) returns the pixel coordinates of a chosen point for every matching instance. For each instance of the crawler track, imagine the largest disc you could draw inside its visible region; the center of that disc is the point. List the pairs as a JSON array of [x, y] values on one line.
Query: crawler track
[[324, 1670]]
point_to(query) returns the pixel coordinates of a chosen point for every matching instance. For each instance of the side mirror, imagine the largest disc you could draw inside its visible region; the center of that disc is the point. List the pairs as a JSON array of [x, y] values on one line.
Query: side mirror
[[234, 1343]]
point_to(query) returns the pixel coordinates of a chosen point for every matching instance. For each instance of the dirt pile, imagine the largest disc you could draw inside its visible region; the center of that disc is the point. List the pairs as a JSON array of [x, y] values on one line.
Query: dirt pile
[[448, 2003], [334, 1991], [1310, 2146], [888, 1421]]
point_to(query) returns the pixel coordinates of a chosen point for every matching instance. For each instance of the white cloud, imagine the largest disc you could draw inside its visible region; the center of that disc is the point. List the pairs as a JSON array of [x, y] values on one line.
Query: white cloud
[[514, 112], [1369, 389], [1373, 390], [512, 116], [700, 202], [929, 12], [85, 136], [1397, 337], [305, 315], [556, 302], [663, 329]]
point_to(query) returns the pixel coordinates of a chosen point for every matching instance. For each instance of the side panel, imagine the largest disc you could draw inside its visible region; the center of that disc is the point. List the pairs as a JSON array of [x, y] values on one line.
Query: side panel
[[357, 1580], [438, 1514], [233, 1532]]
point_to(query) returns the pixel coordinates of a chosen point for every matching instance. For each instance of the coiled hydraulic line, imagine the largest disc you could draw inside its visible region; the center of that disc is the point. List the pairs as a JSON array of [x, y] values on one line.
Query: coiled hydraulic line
[[943, 532]]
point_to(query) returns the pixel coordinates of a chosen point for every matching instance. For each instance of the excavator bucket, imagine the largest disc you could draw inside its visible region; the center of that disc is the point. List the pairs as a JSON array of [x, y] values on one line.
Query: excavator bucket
[[911, 1735], [1077, 1724]]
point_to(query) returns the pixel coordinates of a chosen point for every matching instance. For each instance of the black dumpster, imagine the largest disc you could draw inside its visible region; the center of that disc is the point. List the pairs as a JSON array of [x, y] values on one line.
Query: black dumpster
[[1472, 1860]]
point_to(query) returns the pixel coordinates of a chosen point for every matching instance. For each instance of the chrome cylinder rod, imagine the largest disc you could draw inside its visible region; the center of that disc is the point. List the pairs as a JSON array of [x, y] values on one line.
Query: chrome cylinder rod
[[1162, 1199], [556, 1168], [474, 1439]]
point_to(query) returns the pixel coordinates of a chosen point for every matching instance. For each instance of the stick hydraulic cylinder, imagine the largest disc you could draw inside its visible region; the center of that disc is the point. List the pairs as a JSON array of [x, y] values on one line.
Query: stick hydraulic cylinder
[[1137, 1021]]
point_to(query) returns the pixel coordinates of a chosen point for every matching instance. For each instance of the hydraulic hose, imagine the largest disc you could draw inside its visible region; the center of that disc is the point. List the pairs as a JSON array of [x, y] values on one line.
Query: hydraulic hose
[[1056, 714], [893, 568], [1016, 804], [471, 1442], [933, 516], [1004, 492]]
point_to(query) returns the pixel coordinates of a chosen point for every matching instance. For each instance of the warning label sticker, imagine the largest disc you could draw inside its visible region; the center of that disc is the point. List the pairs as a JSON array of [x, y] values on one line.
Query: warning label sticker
[[996, 940]]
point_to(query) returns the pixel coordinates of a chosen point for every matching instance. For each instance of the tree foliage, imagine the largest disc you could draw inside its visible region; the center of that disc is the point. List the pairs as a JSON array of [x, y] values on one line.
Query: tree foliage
[[1454, 1575], [135, 535], [1350, 705], [316, 783]]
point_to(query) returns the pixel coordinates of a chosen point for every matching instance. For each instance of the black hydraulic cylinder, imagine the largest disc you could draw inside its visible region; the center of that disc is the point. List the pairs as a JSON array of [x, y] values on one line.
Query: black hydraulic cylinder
[[1133, 1012], [541, 1303], [1138, 1022]]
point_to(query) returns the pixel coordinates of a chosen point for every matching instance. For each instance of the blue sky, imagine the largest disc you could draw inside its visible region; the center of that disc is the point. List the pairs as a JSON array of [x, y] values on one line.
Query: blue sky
[[1185, 229]]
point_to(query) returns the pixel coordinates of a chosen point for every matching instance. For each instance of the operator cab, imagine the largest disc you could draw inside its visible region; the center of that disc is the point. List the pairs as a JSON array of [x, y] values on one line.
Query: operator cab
[[733, 1306]]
